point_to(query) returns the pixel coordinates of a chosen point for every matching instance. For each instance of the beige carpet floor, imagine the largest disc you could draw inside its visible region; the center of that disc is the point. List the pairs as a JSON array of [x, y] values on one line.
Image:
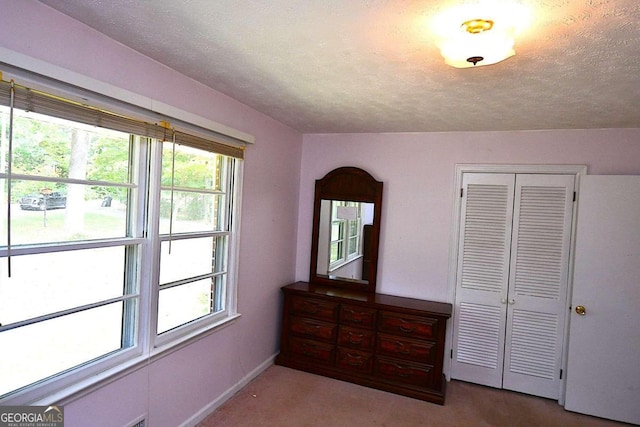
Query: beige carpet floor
[[285, 397]]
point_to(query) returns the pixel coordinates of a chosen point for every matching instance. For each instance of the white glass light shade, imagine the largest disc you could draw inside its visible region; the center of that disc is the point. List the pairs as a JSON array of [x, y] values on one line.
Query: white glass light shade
[[492, 46], [490, 33]]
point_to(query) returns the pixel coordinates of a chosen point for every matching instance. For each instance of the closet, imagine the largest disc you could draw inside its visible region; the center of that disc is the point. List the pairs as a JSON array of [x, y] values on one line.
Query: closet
[[511, 280]]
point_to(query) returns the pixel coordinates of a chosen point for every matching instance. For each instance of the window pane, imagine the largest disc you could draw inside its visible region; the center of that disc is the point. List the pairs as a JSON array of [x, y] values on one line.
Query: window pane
[[57, 148], [192, 168], [47, 283], [337, 228], [354, 228], [192, 212], [353, 245], [191, 258], [336, 251], [46, 212], [40, 350], [182, 304]]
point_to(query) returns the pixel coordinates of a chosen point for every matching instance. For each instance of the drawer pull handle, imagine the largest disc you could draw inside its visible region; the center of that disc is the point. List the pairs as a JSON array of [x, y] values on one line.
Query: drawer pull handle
[[354, 360], [403, 349], [406, 329], [355, 339], [402, 371]]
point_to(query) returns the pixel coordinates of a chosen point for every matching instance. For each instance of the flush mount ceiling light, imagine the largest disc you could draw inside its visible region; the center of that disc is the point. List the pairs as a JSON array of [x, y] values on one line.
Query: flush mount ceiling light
[[479, 33]]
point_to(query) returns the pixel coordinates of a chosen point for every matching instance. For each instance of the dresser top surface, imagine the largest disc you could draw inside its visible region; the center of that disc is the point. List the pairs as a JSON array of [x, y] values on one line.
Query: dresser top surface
[[380, 300]]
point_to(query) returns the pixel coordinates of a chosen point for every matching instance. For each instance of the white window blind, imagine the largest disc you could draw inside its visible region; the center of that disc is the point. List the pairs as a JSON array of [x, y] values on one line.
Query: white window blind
[[39, 102]]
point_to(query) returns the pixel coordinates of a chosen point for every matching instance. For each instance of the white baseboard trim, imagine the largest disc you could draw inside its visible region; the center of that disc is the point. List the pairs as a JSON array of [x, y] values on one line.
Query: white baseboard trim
[[208, 409]]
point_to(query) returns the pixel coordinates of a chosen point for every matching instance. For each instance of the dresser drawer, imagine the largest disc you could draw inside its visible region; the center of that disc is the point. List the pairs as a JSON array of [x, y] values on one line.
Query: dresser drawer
[[360, 317], [406, 348], [354, 360], [311, 328], [407, 325], [356, 338], [318, 309], [312, 350], [403, 371]]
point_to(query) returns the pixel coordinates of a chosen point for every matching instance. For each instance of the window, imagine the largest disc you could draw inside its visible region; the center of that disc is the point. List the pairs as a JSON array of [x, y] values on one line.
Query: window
[[97, 225], [194, 231], [346, 231]]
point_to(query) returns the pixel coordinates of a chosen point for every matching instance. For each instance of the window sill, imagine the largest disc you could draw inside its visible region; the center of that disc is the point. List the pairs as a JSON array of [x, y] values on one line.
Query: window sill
[[347, 262], [174, 345]]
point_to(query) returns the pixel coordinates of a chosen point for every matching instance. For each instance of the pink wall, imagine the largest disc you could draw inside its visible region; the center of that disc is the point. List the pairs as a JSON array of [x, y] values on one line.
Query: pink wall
[[177, 386], [418, 174]]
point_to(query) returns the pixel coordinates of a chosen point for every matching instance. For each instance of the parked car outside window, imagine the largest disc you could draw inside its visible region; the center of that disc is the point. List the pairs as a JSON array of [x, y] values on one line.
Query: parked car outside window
[[41, 202]]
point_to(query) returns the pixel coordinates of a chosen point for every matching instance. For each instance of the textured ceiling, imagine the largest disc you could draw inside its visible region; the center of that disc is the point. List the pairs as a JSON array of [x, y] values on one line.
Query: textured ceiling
[[371, 65]]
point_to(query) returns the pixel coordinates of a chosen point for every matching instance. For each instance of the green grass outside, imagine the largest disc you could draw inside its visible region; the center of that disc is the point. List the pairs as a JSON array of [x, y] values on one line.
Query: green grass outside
[[36, 227]]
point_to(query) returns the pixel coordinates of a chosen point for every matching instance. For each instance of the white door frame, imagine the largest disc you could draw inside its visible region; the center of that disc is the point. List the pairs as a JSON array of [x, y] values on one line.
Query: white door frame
[[460, 170]]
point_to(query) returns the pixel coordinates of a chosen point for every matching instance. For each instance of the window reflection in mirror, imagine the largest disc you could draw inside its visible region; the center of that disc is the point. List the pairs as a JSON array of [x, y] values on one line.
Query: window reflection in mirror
[[343, 239]]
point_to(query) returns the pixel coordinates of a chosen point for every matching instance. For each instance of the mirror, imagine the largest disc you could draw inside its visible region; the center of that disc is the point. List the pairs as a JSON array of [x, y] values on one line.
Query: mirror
[[346, 229]]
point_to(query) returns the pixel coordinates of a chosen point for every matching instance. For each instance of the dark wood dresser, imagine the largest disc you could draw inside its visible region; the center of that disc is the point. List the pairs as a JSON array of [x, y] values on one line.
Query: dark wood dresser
[[390, 343]]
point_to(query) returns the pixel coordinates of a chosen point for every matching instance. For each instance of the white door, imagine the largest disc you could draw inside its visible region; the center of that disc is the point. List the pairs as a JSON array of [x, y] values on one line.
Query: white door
[[538, 280], [603, 371], [484, 251], [512, 278]]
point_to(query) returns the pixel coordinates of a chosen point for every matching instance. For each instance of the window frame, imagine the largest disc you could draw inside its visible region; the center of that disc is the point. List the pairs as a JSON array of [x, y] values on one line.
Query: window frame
[[71, 377], [206, 323], [86, 377]]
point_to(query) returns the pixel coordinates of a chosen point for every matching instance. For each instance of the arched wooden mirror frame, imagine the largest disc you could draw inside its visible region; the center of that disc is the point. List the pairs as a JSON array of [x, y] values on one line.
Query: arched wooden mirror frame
[[356, 185]]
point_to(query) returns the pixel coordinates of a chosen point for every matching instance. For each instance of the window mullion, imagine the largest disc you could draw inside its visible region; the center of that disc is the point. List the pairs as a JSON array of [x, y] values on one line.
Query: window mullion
[[154, 242], [135, 312], [9, 172]]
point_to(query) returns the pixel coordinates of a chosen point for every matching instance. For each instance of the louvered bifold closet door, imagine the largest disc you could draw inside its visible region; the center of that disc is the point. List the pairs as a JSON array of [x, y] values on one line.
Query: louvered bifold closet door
[[483, 271], [543, 211]]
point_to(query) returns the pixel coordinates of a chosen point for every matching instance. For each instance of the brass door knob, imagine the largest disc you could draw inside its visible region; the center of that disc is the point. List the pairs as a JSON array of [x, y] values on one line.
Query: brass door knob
[[581, 310]]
